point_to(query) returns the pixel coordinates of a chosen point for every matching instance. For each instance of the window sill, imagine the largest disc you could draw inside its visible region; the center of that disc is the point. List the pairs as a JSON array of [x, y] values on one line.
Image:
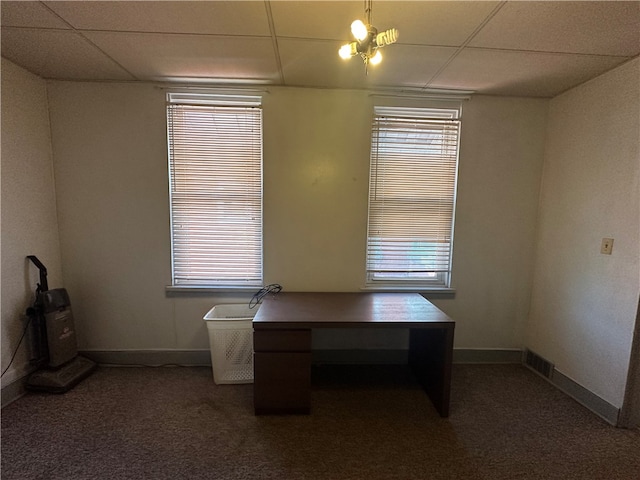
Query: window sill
[[408, 288], [172, 290]]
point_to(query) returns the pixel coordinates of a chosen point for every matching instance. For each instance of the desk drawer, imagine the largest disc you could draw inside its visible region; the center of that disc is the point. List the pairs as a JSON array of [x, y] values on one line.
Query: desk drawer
[[282, 340], [282, 383]]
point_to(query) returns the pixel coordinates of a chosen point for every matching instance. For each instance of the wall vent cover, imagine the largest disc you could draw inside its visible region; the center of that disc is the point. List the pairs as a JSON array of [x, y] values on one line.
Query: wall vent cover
[[538, 364]]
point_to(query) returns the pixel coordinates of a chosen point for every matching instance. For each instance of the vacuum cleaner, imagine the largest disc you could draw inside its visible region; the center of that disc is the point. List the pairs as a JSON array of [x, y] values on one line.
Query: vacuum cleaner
[[55, 343]]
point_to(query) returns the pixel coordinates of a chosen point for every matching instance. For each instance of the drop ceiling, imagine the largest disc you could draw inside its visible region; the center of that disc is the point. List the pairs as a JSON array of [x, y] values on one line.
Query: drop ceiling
[[514, 48]]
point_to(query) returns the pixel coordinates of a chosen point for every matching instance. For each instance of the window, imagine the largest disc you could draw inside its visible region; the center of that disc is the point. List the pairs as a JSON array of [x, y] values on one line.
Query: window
[[412, 186], [215, 177]]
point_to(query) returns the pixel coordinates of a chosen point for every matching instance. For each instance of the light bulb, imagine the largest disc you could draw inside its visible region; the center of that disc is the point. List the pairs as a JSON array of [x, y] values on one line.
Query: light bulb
[[348, 50], [376, 59], [387, 37], [359, 30]]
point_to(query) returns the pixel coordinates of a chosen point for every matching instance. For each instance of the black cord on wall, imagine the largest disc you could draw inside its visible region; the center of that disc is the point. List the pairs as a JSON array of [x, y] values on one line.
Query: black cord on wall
[[26, 327]]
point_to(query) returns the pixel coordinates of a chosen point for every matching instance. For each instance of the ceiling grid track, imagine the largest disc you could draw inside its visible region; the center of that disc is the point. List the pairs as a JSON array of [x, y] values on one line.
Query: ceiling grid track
[[274, 40]]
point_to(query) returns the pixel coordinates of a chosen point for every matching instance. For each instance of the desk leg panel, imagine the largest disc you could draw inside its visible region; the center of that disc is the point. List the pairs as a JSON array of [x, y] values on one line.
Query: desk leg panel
[[282, 382], [431, 357]]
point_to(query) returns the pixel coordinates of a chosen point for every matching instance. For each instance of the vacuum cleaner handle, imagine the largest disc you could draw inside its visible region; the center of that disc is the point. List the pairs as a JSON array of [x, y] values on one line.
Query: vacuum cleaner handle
[[44, 284]]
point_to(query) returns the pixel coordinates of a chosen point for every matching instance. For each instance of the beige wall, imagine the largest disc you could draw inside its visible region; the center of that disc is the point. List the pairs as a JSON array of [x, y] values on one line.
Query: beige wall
[[584, 303], [29, 222], [499, 179], [316, 145], [109, 144]]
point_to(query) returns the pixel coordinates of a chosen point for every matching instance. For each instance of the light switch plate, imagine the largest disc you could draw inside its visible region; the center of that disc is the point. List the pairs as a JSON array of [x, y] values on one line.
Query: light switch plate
[[607, 246]]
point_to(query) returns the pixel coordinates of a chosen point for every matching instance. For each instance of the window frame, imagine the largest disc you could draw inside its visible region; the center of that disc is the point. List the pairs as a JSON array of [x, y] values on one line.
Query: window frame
[[250, 203], [375, 279]]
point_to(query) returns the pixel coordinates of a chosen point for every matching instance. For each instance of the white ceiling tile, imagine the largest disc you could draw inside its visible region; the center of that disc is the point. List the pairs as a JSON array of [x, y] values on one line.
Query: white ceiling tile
[[59, 54], [447, 23], [422, 23], [408, 66], [316, 63], [149, 56], [203, 17], [315, 19], [30, 14], [599, 28], [502, 72]]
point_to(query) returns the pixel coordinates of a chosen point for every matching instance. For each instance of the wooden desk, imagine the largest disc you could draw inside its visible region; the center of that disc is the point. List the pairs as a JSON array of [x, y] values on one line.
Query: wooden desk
[[282, 342]]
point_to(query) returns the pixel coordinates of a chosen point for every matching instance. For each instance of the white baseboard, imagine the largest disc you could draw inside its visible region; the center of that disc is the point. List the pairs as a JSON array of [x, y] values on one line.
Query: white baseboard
[[354, 356], [547, 370], [585, 397], [151, 358], [590, 400]]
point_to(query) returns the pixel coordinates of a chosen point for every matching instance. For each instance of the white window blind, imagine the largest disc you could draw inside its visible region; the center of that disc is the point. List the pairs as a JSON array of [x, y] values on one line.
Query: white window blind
[[215, 170], [414, 158]]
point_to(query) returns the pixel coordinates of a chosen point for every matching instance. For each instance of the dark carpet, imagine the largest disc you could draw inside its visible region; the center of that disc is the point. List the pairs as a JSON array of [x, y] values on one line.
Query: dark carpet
[[367, 422]]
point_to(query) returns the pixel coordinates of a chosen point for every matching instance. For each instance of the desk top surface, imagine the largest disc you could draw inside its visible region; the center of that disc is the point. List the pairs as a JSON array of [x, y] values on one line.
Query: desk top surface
[[335, 310]]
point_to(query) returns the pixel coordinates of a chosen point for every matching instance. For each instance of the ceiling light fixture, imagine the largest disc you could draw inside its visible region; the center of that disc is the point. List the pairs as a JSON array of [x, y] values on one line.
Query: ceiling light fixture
[[368, 40]]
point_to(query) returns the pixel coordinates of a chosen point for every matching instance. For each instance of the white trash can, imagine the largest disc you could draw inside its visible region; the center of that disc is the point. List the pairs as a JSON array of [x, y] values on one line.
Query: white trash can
[[231, 340]]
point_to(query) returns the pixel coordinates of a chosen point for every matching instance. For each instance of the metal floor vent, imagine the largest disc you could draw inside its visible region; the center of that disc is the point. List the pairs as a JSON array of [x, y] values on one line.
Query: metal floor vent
[[537, 363]]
